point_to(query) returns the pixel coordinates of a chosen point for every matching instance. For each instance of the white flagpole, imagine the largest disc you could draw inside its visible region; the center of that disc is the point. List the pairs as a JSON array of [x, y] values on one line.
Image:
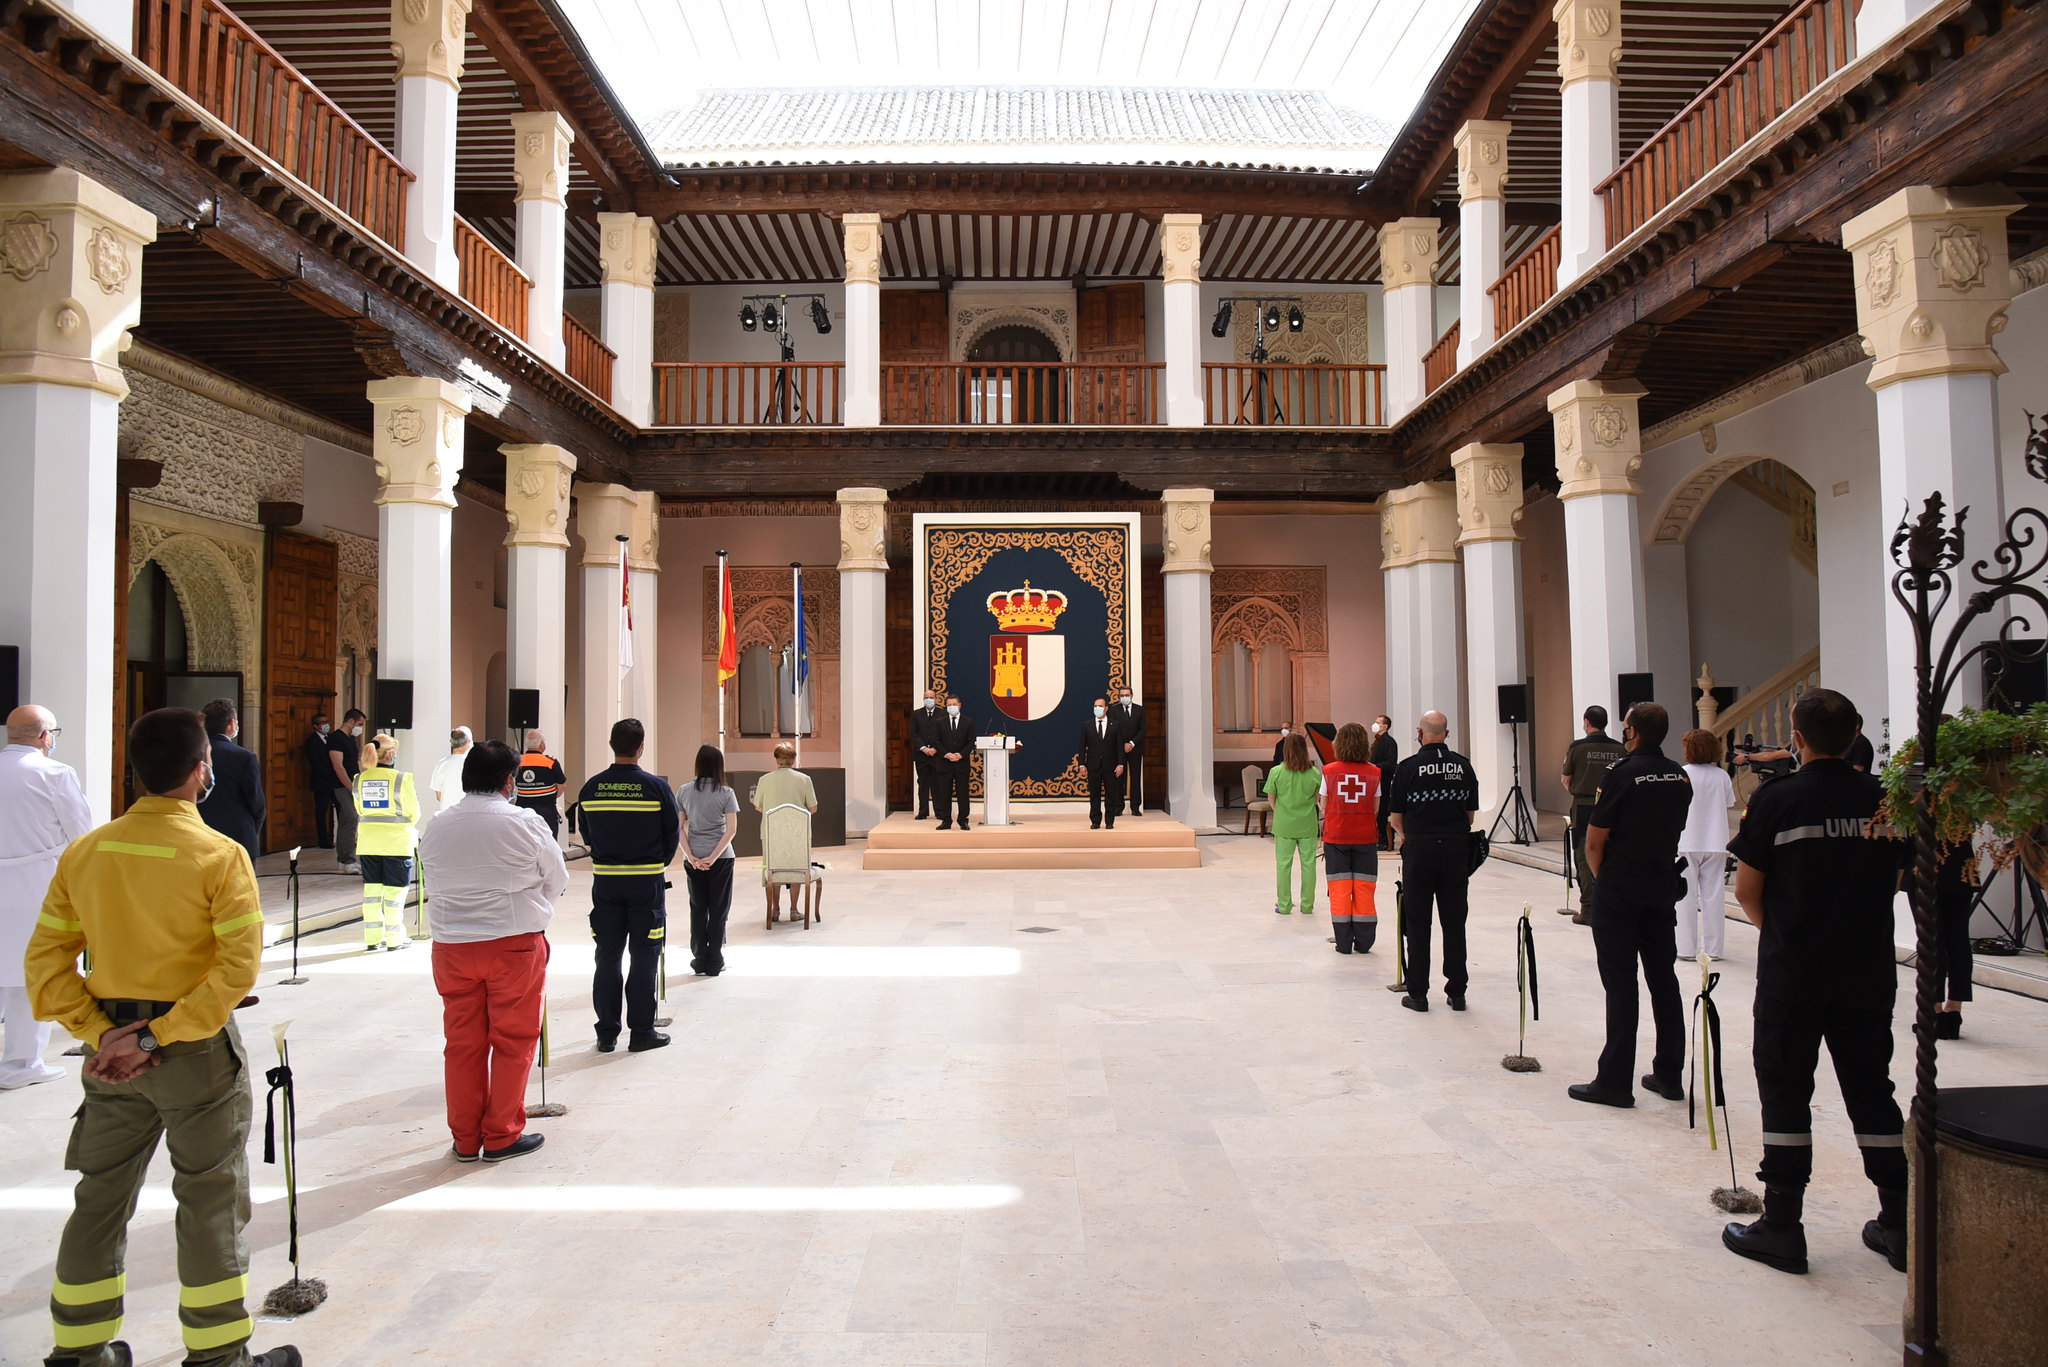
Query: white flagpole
[[718, 667], [796, 688]]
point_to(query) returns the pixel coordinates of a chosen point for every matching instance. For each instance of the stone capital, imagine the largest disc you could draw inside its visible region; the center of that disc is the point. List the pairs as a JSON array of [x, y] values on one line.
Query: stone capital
[[537, 479], [1408, 252], [643, 552], [863, 249], [1599, 440], [604, 513], [540, 156], [1180, 248], [1933, 281], [70, 279], [428, 37], [1419, 525], [416, 439], [1588, 40], [1482, 159], [626, 249], [1489, 480], [1184, 529], [863, 529]]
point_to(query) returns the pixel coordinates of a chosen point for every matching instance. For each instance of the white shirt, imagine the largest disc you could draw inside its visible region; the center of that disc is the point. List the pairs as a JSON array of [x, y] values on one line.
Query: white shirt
[[1706, 823], [492, 870], [42, 809], [446, 782]]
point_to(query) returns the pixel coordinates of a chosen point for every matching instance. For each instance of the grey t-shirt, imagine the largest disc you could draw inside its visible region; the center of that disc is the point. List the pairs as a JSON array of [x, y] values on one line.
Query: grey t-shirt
[[704, 811]]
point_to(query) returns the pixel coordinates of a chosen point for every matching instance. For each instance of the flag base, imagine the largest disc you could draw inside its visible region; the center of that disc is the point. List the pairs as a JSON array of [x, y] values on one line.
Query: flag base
[[1738, 1200], [296, 1297], [539, 1109], [1520, 1063]]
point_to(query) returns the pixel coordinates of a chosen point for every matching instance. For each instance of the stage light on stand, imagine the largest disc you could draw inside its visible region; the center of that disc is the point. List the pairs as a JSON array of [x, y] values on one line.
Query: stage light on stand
[[1221, 327], [1272, 317], [747, 318], [820, 317], [771, 318], [1295, 321]]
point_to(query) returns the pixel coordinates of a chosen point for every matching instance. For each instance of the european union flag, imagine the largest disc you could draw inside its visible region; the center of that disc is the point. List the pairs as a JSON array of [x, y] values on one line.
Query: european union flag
[[803, 636]]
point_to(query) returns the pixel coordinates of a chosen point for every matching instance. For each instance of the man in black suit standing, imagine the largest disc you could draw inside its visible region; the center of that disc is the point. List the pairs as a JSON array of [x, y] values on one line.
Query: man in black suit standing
[[924, 751], [1129, 715], [953, 739], [1101, 753], [320, 778], [234, 805]]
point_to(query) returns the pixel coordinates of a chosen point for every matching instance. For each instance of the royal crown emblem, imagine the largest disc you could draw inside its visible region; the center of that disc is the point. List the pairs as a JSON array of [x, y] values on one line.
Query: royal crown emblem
[[1027, 609]]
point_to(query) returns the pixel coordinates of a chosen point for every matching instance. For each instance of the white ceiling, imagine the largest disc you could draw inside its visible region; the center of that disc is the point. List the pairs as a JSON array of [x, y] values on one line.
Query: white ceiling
[[1372, 55]]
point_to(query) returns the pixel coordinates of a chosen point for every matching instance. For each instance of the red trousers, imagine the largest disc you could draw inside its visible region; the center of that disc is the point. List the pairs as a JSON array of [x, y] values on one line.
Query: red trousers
[[492, 995]]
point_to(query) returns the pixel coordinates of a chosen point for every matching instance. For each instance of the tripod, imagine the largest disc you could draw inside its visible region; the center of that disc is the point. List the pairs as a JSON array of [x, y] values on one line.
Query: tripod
[[1265, 408], [2023, 885], [1514, 808], [785, 404]]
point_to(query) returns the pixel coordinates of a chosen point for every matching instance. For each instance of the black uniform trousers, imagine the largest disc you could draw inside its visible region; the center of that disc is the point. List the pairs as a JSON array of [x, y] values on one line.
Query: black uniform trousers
[[1105, 793], [1582, 819], [710, 903], [628, 919], [951, 794], [1133, 781], [323, 816], [1854, 1019], [1434, 873], [924, 765], [1628, 930]]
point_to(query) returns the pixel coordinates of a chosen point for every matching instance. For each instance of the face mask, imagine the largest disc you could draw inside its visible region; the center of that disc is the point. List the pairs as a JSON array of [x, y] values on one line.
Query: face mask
[[322, 729], [1285, 733], [952, 709], [927, 704], [355, 730], [207, 791], [1126, 700], [53, 746], [1100, 710]]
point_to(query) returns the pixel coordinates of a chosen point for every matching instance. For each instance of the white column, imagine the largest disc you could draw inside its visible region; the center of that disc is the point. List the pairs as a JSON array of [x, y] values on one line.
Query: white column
[[1190, 706], [1489, 505], [604, 513], [1599, 450], [863, 664], [1482, 226], [1665, 585], [417, 444], [537, 480], [1588, 66], [1419, 554], [427, 38], [627, 256], [643, 553], [1408, 257], [1877, 20], [540, 167], [1180, 256], [1933, 283], [114, 20], [70, 288], [863, 320]]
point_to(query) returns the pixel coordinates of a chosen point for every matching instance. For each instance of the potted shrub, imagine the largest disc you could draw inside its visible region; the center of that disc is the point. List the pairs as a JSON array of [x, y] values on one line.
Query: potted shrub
[[1991, 771]]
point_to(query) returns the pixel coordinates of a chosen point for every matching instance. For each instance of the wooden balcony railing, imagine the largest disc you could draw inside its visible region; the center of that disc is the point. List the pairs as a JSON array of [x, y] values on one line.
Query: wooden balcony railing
[[1294, 395], [1020, 394], [1441, 361], [1808, 45], [588, 360], [1528, 284], [748, 393], [245, 83], [491, 281]]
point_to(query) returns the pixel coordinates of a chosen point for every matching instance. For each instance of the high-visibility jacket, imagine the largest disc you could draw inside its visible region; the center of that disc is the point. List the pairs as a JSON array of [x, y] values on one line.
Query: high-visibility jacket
[[387, 812], [539, 781], [630, 821]]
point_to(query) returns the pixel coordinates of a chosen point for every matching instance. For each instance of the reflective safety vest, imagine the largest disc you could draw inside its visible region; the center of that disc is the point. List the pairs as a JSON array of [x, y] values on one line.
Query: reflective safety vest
[[387, 812], [540, 779]]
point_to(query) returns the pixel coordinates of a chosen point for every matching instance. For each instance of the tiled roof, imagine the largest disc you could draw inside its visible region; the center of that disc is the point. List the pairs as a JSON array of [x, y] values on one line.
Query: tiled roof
[[1294, 130]]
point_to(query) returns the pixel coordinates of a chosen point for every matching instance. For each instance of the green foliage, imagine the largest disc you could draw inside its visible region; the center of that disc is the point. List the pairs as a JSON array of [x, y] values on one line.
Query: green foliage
[[1991, 769]]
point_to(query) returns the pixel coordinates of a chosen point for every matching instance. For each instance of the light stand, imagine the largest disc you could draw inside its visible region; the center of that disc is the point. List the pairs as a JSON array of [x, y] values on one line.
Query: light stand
[[784, 405], [1514, 808], [1266, 317]]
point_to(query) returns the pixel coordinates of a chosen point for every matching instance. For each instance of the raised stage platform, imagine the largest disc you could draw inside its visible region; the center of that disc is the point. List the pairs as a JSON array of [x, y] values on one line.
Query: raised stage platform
[[1041, 837]]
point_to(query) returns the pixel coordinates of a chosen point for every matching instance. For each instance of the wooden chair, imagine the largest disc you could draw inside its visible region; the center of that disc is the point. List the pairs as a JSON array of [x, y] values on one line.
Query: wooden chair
[[1255, 801], [786, 861]]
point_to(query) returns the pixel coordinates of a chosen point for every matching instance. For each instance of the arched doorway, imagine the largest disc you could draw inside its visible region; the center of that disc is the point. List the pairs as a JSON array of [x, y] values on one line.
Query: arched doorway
[[191, 628], [1013, 377]]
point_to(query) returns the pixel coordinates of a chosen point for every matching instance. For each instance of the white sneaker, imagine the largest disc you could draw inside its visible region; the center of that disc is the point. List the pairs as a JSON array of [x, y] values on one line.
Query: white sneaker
[[350, 868], [400, 942], [30, 1076]]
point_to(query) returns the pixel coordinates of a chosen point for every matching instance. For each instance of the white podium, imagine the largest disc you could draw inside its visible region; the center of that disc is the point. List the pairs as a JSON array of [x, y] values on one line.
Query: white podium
[[995, 778]]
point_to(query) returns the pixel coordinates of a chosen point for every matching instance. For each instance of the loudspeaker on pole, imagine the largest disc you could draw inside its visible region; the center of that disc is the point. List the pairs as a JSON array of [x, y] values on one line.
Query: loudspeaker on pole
[[1513, 704], [1634, 688], [522, 709], [393, 705]]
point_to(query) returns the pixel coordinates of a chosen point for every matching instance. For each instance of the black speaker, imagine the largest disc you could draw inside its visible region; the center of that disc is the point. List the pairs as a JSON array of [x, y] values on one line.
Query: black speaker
[[2015, 677], [393, 711], [522, 709], [10, 676], [1634, 688], [1514, 704]]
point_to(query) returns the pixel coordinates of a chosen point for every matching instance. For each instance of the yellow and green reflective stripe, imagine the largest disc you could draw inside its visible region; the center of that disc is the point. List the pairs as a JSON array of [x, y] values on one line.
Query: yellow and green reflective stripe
[[146, 851], [628, 868], [621, 805], [89, 1293], [85, 1335], [219, 1293], [44, 918], [253, 918], [658, 933], [218, 1335]]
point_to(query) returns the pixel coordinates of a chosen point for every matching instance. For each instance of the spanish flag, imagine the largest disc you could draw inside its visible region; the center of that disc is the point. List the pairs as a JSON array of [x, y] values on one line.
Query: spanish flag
[[728, 634]]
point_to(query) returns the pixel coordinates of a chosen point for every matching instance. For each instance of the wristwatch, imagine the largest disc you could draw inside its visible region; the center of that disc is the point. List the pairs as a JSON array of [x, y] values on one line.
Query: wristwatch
[[145, 1040]]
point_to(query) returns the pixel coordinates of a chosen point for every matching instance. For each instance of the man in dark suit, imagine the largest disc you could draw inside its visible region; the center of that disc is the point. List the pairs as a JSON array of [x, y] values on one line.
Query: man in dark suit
[[953, 739], [320, 778], [234, 805], [1101, 753], [1129, 715], [924, 751]]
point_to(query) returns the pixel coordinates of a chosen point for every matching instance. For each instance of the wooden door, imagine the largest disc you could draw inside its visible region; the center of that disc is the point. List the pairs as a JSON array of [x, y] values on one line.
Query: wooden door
[[1111, 334], [300, 627], [915, 324]]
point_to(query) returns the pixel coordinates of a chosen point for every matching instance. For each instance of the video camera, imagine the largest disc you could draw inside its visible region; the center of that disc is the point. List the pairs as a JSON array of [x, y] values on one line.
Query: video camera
[[1764, 769]]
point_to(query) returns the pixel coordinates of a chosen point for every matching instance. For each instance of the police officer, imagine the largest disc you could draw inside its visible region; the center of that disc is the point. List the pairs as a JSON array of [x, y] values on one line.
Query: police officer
[[924, 751], [1587, 758], [1632, 848], [633, 829], [1431, 803], [1817, 875], [540, 782]]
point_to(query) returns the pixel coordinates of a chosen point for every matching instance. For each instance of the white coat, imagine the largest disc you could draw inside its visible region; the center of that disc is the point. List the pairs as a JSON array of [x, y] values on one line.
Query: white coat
[[42, 809]]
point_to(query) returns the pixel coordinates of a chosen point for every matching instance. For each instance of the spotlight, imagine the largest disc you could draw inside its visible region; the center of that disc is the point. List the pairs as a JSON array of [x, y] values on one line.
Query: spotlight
[[771, 318], [1295, 322], [1272, 317], [820, 319], [747, 318], [1221, 327]]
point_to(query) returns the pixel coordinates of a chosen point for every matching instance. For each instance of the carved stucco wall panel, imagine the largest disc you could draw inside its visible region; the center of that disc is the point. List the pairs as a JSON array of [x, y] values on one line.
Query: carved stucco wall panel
[[218, 462], [763, 616], [976, 313], [1335, 332], [1281, 607]]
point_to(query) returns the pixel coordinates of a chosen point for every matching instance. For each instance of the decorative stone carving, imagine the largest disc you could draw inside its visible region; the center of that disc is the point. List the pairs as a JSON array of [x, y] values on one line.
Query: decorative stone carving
[[417, 436], [1185, 530], [217, 462], [1419, 525], [863, 249], [1335, 331], [1408, 252], [70, 287], [643, 551], [1258, 604], [1599, 442], [215, 570], [537, 479], [540, 156], [1675, 521], [761, 608], [1180, 248], [1815, 365], [1932, 280], [863, 529], [604, 513], [143, 359], [428, 38], [354, 555], [1482, 159], [671, 325], [626, 249], [1588, 40], [1489, 480], [977, 313]]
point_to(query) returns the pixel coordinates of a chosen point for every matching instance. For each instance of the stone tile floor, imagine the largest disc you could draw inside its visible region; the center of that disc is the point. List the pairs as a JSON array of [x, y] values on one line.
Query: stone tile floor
[[1176, 1130]]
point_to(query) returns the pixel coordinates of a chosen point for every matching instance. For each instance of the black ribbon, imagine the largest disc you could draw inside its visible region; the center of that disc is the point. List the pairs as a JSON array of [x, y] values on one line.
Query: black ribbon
[[1703, 1008], [280, 1080], [1525, 950], [1400, 930]]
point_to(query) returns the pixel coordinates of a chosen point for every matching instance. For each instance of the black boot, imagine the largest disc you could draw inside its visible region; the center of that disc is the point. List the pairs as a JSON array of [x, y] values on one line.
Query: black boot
[[1948, 1025], [1362, 936], [1887, 1233], [1779, 1239]]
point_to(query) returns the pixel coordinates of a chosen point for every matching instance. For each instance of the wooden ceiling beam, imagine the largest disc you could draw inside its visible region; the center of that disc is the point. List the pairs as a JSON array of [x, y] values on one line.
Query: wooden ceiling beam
[[517, 54]]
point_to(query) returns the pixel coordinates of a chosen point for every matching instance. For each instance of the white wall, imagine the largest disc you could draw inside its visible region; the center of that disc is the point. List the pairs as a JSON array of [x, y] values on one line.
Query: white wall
[[341, 490], [715, 333], [1754, 608], [1547, 632]]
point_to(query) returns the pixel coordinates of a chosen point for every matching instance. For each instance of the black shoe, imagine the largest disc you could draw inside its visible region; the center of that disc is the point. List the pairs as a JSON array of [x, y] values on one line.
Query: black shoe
[[455, 1152], [1889, 1240], [653, 1039], [1457, 1002], [1670, 1091], [922, 816], [1779, 1246], [1948, 1025], [607, 1043], [282, 1356], [1095, 825], [1580, 918], [945, 825], [1109, 826], [524, 1144], [118, 1349], [1343, 949], [1598, 1095], [1415, 1003]]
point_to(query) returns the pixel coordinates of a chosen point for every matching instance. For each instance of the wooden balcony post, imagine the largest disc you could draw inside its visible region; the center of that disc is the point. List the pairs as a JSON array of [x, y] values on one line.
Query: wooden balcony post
[[540, 166], [863, 320], [429, 79], [1482, 224], [1408, 259], [1589, 56], [1180, 256]]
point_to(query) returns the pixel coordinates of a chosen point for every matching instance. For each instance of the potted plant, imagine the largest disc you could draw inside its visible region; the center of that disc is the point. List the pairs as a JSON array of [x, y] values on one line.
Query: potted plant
[[1990, 771]]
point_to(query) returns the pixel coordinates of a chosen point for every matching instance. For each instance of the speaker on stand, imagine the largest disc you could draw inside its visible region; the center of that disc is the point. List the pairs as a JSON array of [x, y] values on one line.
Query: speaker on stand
[[1634, 688], [392, 705], [1513, 704], [522, 712]]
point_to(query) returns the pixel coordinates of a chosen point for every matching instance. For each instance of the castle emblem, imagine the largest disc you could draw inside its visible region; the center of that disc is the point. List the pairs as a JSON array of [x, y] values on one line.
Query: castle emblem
[[1027, 658]]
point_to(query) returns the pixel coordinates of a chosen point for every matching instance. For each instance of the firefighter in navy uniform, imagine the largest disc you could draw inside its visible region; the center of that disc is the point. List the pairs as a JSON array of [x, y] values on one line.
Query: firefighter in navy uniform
[[1817, 875], [540, 782], [1431, 803], [632, 826]]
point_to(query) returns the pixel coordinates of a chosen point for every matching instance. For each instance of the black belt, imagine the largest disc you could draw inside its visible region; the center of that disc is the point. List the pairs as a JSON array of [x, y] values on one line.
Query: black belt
[[129, 1010]]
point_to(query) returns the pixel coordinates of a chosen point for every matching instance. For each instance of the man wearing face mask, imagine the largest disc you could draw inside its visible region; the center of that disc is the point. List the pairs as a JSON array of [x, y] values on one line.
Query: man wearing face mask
[[235, 806], [924, 751], [41, 811], [344, 759], [1385, 755], [1129, 715], [320, 778], [1101, 753], [953, 739]]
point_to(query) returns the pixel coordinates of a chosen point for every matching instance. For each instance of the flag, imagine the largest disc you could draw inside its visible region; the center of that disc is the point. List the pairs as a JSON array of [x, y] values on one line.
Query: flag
[[625, 613], [803, 635], [728, 631]]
